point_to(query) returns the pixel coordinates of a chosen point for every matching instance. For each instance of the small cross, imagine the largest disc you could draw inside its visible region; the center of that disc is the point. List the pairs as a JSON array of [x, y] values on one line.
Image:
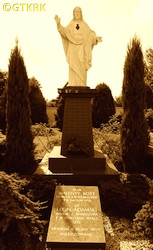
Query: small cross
[[77, 26]]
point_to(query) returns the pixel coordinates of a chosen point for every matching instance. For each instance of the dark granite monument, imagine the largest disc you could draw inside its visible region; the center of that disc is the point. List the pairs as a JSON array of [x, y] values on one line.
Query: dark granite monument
[[77, 156], [76, 219]]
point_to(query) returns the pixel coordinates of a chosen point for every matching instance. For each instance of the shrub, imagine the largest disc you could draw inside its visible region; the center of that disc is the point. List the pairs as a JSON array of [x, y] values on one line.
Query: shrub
[[41, 188], [41, 129], [37, 102], [143, 222], [126, 197], [113, 125], [53, 138], [103, 105], [2, 153], [19, 215], [2, 113], [109, 144], [134, 133], [19, 139], [149, 118], [118, 101], [148, 96], [59, 116], [3, 84], [107, 139]]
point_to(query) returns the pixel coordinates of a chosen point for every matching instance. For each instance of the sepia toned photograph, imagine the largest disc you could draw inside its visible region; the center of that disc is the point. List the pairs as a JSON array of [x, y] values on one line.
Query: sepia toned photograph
[[76, 125]]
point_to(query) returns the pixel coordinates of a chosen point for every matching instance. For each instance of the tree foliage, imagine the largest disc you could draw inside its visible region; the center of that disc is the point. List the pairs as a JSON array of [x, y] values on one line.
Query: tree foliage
[[59, 116], [36, 99], [37, 102], [148, 96], [149, 67], [52, 103], [20, 224], [134, 134], [102, 108], [103, 105], [19, 139], [118, 101], [3, 83], [149, 77]]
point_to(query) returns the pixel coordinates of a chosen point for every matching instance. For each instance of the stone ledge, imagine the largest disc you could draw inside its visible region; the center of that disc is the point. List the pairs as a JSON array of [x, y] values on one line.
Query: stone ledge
[[84, 176], [59, 163], [77, 92]]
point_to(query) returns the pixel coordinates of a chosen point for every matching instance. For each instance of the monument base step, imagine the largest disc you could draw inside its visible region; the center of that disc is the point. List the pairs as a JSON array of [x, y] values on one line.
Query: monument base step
[[83, 179], [62, 164], [79, 175], [80, 170]]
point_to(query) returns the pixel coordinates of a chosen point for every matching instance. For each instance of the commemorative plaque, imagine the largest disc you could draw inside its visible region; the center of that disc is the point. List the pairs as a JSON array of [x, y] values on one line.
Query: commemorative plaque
[[76, 219]]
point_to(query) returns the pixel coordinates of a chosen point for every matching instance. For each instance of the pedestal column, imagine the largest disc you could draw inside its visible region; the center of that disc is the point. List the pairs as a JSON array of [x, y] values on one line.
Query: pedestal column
[[77, 136]]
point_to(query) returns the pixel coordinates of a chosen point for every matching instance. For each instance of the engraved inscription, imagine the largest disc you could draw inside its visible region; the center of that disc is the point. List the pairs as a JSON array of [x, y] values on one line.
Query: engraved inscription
[[76, 215]]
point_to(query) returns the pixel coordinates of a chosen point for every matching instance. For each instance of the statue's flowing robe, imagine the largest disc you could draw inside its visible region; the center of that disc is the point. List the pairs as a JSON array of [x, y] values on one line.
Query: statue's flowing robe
[[78, 44]]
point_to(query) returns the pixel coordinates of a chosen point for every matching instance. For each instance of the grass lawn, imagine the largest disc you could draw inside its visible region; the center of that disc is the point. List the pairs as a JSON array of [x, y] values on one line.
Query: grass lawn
[[50, 113]]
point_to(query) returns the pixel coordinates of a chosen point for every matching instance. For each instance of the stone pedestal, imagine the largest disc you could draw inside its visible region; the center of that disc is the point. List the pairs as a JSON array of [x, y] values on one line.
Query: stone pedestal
[[77, 137], [77, 159]]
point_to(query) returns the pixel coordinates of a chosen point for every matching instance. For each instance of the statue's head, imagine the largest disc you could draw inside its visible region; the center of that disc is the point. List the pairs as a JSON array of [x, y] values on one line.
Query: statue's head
[[77, 14]]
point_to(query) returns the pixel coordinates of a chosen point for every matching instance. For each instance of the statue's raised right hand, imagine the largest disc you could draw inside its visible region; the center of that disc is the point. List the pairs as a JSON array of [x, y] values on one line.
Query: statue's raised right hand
[[57, 19]]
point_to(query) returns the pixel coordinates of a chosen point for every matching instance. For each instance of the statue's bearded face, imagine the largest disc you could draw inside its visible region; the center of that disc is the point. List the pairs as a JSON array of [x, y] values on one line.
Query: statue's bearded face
[[77, 14]]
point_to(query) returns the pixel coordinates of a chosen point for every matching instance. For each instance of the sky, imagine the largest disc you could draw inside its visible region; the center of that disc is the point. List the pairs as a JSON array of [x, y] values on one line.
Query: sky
[[117, 21]]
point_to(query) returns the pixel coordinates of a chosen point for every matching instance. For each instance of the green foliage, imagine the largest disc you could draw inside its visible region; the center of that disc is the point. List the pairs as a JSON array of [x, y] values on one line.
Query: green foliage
[[19, 139], [37, 103], [134, 133], [52, 103], [2, 152], [103, 105], [113, 125], [44, 130], [107, 139], [2, 112], [148, 97], [149, 118], [149, 67], [41, 129], [41, 188], [59, 116], [36, 99], [76, 146], [118, 101], [19, 215], [102, 109], [143, 222], [3, 81], [144, 219], [3, 84], [125, 197], [45, 139]]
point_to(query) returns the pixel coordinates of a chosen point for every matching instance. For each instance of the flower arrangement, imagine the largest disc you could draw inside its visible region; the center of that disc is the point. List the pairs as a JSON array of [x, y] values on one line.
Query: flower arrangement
[[76, 146]]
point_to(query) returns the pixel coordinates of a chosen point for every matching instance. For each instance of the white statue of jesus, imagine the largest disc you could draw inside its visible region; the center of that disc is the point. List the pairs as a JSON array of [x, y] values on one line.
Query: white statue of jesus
[[78, 41]]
